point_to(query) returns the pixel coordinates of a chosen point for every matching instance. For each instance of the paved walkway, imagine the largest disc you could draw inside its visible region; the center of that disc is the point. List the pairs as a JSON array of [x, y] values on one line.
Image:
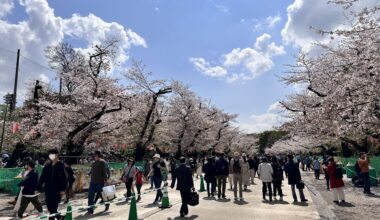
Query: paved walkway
[[209, 208]]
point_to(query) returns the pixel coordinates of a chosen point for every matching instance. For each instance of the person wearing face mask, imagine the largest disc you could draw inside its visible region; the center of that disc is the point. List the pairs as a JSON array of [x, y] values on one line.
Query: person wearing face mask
[[53, 182]]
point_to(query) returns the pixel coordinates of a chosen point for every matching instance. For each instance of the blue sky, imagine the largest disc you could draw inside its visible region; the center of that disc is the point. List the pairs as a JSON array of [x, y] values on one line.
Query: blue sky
[[231, 52]]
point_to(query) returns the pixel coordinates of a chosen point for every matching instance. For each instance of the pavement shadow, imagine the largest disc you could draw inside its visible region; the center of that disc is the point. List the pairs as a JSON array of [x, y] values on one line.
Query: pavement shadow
[[247, 190], [186, 217], [280, 202], [346, 204], [150, 205], [121, 203], [223, 200], [209, 198], [98, 214], [241, 202], [300, 204]]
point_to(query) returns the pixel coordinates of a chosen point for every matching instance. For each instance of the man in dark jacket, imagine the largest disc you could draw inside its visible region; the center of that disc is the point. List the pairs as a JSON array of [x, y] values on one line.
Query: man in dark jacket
[[184, 185], [221, 173], [294, 178], [54, 182], [99, 177], [30, 183]]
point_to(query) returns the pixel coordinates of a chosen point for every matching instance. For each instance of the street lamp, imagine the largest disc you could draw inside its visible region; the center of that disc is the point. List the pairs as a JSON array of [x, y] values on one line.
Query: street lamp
[[8, 98]]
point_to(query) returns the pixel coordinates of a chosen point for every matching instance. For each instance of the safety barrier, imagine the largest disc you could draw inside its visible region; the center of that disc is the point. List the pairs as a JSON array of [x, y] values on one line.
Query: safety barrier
[[132, 213], [374, 162], [373, 179]]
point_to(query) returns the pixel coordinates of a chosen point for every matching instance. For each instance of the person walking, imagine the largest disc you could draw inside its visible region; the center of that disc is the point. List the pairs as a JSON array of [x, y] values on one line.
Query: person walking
[[98, 178], [157, 177], [265, 173], [53, 182], [325, 164], [316, 167], [221, 172], [363, 162], [336, 181], [29, 187], [278, 177], [210, 170], [71, 180], [128, 177], [294, 179], [185, 184], [236, 164], [139, 182], [245, 172]]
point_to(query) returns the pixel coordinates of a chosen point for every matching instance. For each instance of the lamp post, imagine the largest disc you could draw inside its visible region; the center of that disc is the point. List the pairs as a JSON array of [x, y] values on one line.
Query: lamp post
[[8, 101]]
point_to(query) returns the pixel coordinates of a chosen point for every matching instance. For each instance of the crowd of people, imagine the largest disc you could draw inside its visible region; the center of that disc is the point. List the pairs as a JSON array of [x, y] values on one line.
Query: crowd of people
[[239, 170]]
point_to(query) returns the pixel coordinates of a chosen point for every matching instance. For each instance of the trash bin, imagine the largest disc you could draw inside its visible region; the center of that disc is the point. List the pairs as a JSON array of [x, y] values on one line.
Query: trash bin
[[350, 170], [372, 176]]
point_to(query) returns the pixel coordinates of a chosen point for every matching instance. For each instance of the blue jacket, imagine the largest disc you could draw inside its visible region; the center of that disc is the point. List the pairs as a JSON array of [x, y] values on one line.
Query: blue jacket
[[30, 183]]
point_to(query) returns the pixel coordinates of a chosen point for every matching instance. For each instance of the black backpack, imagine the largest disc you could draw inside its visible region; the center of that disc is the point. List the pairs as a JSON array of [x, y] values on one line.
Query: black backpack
[[236, 166], [338, 173]]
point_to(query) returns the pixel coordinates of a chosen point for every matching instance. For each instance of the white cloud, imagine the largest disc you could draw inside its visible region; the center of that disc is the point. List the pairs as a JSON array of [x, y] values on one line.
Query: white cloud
[[43, 78], [156, 8], [272, 118], [204, 67], [222, 8], [246, 63], [303, 14], [273, 20], [6, 7], [43, 28]]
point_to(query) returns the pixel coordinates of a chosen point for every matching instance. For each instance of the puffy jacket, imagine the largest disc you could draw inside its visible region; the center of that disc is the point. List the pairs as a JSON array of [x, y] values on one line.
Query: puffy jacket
[[265, 172]]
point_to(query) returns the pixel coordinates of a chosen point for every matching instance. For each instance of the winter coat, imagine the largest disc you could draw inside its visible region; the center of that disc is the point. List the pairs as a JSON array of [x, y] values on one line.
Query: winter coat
[[265, 172], [183, 175], [293, 172], [221, 167], [30, 183], [334, 182], [53, 178], [209, 170], [245, 173]]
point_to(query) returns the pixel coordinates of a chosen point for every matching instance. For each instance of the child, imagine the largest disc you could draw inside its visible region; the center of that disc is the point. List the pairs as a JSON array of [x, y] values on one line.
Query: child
[[139, 182]]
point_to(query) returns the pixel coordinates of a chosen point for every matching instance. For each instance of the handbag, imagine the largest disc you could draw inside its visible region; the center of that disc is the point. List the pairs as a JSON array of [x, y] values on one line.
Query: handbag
[[193, 199], [108, 193], [300, 185]]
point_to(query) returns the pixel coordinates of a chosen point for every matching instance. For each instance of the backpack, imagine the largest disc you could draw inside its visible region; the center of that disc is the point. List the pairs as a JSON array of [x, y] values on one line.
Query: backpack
[[236, 166], [357, 168], [338, 173]]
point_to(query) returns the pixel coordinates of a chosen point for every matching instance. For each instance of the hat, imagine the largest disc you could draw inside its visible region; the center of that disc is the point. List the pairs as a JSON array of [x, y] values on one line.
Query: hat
[[157, 156], [236, 154], [244, 155]]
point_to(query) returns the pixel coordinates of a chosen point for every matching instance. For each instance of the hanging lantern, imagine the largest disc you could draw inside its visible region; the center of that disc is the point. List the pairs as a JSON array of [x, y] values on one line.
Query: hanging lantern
[[15, 127], [124, 146]]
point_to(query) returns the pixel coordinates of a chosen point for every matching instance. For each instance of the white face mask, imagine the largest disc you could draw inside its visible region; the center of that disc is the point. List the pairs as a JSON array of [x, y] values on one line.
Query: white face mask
[[52, 156]]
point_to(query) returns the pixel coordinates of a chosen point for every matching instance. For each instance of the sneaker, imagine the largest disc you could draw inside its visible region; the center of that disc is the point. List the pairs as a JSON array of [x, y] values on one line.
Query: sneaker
[[182, 215], [107, 207], [343, 201], [236, 198], [336, 202], [295, 200], [304, 200], [241, 199], [281, 199], [224, 196], [12, 202], [89, 213]]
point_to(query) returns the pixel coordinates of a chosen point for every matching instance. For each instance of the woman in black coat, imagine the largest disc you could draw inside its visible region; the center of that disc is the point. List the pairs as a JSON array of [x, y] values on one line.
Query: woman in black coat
[[209, 169]]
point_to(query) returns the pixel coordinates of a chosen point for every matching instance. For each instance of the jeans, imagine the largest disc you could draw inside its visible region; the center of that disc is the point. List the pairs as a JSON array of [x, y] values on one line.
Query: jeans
[[95, 188], [238, 179], [267, 186], [302, 196], [184, 198], [277, 188], [25, 202], [157, 184], [366, 182], [316, 174], [221, 185], [211, 184]]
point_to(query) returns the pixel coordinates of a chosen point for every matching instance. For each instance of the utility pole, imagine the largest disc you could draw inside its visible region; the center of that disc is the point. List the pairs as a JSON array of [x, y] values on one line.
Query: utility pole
[[13, 106], [8, 101]]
